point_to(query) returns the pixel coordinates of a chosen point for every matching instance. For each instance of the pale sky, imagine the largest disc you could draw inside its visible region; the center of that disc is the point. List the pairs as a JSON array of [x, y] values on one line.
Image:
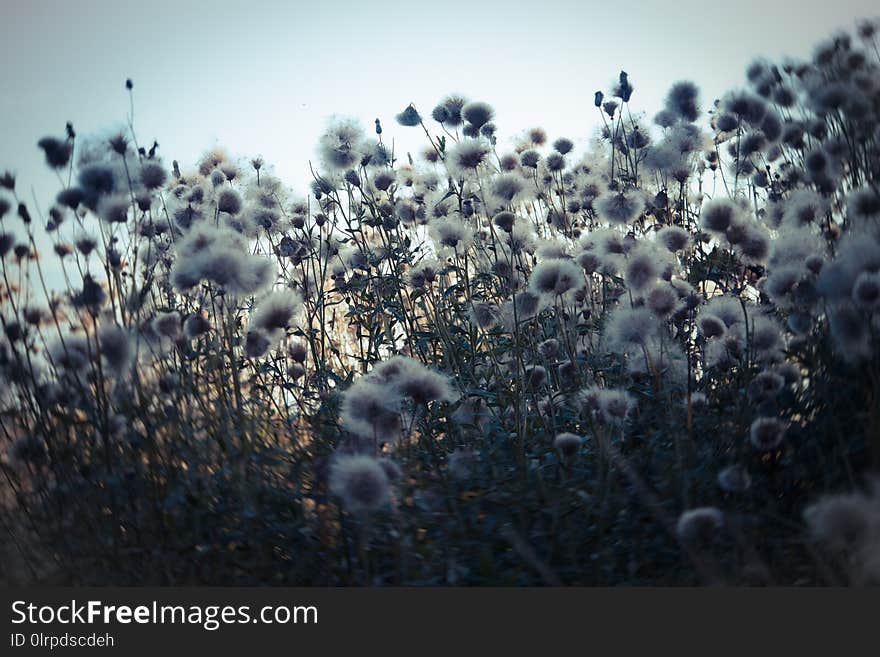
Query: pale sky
[[263, 77]]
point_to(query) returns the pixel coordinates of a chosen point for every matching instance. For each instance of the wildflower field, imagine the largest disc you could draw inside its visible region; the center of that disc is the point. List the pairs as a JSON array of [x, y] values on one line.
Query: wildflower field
[[644, 355]]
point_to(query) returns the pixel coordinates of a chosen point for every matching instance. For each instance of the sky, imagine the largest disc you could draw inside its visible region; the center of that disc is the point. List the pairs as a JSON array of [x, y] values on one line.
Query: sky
[[262, 77]]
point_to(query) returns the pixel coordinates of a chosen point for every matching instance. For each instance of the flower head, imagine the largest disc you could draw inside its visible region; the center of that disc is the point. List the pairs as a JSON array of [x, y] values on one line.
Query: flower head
[[718, 214], [57, 151], [620, 207], [841, 522], [477, 113], [448, 111], [673, 238], [361, 482], [274, 313], [371, 409], [409, 117], [555, 277], [451, 232], [682, 101], [567, 444], [466, 156], [409, 378], [614, 405], [644, 264], [766, 433], [699, 524], [340, 147], [734, 479], [629, 326], [116, 347]]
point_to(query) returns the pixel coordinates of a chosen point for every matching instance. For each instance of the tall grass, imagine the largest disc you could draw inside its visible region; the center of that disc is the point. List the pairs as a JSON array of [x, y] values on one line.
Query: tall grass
[[650, 357]]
